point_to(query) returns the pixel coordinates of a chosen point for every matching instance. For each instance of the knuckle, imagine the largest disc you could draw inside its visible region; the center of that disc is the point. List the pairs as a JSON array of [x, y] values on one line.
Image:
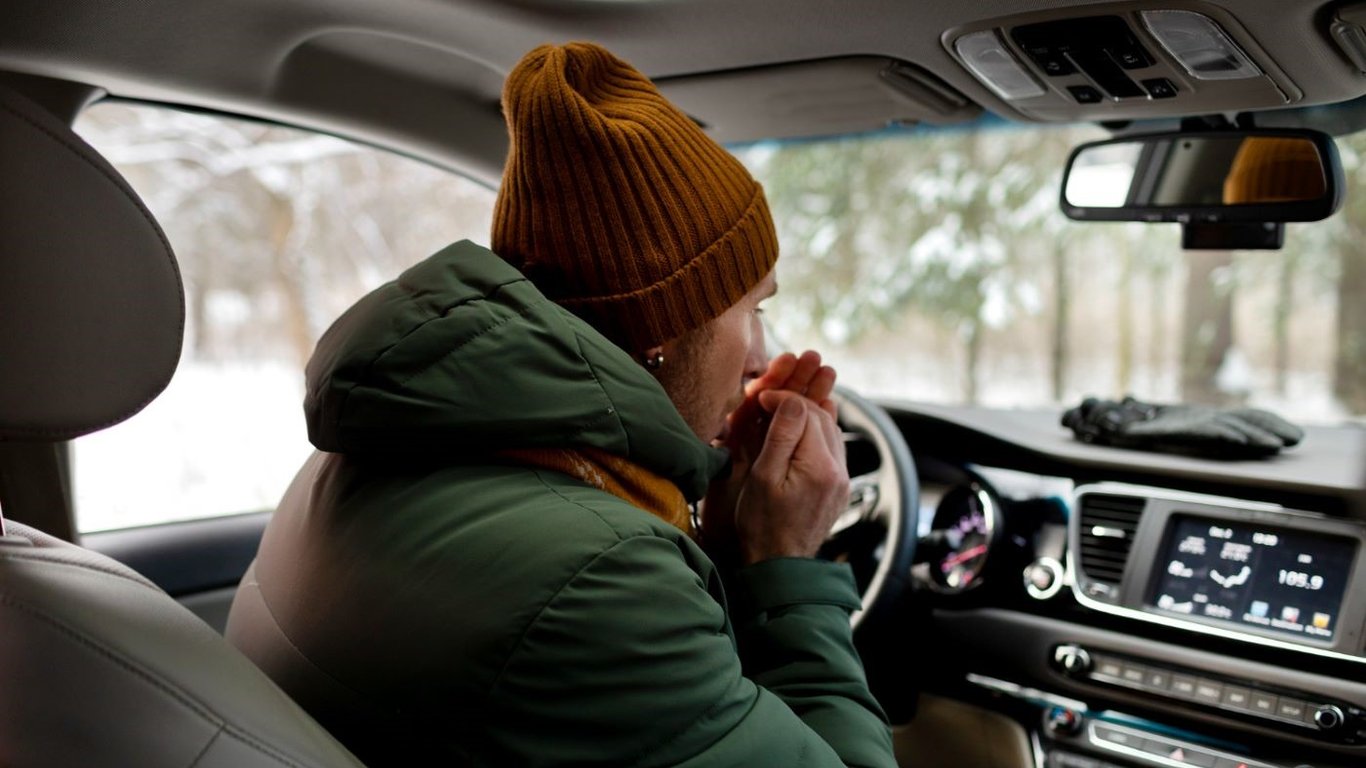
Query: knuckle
[[842, 485]]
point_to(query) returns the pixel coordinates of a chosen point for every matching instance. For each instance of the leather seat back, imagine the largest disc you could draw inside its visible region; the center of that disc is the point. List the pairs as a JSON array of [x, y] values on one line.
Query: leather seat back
[[99, 667]]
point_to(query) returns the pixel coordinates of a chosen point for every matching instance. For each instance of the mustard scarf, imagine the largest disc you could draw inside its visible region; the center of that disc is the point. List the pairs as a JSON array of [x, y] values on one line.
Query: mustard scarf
[[620, 477]]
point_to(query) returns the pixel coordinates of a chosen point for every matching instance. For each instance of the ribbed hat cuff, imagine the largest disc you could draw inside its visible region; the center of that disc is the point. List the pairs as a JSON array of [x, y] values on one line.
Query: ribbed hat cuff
[[705, 287]]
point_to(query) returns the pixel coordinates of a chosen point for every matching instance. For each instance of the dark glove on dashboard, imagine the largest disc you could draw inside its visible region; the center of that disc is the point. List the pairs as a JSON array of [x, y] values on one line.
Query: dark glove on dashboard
[[1231, 433]]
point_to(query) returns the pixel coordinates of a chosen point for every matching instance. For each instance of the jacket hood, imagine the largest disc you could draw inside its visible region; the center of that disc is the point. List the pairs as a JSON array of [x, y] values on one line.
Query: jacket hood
[[462, 356]]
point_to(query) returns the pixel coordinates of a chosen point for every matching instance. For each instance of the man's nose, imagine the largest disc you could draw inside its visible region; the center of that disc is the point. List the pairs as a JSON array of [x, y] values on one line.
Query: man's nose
[[757, 359]]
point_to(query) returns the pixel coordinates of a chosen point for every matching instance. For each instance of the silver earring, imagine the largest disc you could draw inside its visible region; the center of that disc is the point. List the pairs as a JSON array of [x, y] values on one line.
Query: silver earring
[[655, 362]]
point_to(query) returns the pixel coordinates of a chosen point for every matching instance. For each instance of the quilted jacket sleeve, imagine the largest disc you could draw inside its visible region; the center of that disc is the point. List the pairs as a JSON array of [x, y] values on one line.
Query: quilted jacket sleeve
[[631, 663]]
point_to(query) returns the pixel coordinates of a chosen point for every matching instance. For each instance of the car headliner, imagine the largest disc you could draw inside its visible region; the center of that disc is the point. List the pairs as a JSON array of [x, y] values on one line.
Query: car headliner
[[423, 76]]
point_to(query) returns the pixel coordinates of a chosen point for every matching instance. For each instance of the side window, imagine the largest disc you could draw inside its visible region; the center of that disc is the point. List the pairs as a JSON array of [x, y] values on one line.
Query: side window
[[277, 231]]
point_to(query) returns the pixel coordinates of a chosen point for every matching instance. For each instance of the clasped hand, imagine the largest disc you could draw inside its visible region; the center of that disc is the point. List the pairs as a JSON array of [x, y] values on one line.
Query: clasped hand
[[788, 481]]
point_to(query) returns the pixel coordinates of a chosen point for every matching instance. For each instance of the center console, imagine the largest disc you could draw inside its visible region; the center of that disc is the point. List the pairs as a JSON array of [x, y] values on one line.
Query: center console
[[1299, 711], [1252, 572], [1291, 582]]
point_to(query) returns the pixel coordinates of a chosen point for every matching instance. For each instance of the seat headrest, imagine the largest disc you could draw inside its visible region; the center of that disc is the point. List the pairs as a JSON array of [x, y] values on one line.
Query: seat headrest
[[92, 312]]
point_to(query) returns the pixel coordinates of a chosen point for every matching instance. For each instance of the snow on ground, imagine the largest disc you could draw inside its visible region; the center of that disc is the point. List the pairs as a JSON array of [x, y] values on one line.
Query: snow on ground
[[221, 439]]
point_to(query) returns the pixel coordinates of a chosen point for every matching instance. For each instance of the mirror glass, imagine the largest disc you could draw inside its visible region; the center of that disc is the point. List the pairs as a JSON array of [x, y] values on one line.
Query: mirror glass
[[1183, 171]]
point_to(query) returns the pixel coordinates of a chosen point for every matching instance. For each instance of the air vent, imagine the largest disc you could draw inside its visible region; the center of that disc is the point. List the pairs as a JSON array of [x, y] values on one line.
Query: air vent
[[1108, 524]]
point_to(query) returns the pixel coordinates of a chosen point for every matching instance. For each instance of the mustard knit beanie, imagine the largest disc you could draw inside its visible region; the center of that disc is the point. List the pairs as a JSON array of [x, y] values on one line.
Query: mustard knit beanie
[[617, 206]]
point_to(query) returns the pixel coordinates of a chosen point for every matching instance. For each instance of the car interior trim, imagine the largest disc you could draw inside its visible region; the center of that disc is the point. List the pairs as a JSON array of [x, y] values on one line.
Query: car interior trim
[[1025, 693], [1099, 742]]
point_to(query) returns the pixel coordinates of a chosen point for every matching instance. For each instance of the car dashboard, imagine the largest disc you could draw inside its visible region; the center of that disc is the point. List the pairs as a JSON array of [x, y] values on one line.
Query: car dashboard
[[1130, 609]]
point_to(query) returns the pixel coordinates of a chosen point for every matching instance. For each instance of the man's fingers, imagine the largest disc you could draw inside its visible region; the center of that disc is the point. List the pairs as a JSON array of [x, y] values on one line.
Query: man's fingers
[[770, 399], [830, 407], [789, 425], [822, 384], [825, 414], [820, 456], [834, 436], [808, 365], [779, 371], [821, 427]]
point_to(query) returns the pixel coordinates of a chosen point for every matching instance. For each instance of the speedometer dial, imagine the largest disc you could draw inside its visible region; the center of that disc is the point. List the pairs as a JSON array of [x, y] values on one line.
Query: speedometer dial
[[965, 524]]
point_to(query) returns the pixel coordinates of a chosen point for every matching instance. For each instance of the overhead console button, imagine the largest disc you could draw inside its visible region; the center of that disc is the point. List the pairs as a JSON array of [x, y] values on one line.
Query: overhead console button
[[1160, 88], [1085, 94], [1132, 56], [1054, 66]]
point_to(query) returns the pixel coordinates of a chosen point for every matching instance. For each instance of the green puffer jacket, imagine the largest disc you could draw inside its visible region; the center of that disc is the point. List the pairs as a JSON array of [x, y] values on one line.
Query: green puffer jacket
[[431, 605]]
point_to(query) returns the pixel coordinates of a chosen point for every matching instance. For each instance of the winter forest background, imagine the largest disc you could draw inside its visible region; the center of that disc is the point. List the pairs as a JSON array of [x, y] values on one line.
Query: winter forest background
[[931, 266]]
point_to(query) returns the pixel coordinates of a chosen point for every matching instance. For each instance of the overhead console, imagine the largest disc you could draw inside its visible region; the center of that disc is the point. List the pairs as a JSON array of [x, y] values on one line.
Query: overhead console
[[1138, 60]]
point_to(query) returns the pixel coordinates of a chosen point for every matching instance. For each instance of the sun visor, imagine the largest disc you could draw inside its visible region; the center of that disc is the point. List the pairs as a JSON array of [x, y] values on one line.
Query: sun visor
[[816, 98]]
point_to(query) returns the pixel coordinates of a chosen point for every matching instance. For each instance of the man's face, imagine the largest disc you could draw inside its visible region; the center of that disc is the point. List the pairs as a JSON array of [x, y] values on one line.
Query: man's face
[[705, 371]]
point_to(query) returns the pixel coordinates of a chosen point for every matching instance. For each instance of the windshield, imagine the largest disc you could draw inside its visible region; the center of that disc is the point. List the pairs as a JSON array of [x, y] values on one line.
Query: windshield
[[936, 266]]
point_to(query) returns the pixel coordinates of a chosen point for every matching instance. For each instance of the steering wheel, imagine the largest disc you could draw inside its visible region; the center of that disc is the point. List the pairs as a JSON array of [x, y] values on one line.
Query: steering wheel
[[876, 535]]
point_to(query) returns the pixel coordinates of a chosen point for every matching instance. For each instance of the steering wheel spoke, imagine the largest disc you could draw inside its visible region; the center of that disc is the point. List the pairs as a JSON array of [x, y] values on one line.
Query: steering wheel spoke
[[876, 532], [864, 496]]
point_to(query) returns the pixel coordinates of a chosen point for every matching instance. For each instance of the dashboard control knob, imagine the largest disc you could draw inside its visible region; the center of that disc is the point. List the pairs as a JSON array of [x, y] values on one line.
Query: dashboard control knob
[[1073, 659], [1061, 721], [1043, 578], [1329, 717]]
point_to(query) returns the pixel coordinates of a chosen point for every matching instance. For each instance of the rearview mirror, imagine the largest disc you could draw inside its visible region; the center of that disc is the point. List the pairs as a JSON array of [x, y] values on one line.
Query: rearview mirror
[[1205, 178]]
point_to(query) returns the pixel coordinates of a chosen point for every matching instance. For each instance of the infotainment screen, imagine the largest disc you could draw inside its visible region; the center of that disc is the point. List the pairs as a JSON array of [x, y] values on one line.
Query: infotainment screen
[[1286, 581]]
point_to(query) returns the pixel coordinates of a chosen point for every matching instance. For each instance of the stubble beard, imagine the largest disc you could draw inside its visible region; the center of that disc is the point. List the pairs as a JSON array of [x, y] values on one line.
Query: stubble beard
[[681, 377]]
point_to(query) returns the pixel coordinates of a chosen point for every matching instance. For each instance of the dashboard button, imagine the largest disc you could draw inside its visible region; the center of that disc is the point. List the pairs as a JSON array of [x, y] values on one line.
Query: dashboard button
[[1209, 692], [1238, 698], [1061, 721], [1224, 762], [1326, 716], [1183, 686], [1292, 709], [1263, 703], [1118, 737], [1069, 760], [1157, 747], [1180, 754], [1199, 757], [1074, 660], [1134, 674], [1109, 667], [1158, 680]]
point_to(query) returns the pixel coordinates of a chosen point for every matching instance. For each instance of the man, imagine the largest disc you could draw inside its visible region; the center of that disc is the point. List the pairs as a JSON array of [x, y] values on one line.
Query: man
[[493, 562]]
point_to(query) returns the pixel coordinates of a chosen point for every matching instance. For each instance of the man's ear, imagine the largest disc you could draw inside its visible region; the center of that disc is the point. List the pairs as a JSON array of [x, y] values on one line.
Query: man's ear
[[653, 358]]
